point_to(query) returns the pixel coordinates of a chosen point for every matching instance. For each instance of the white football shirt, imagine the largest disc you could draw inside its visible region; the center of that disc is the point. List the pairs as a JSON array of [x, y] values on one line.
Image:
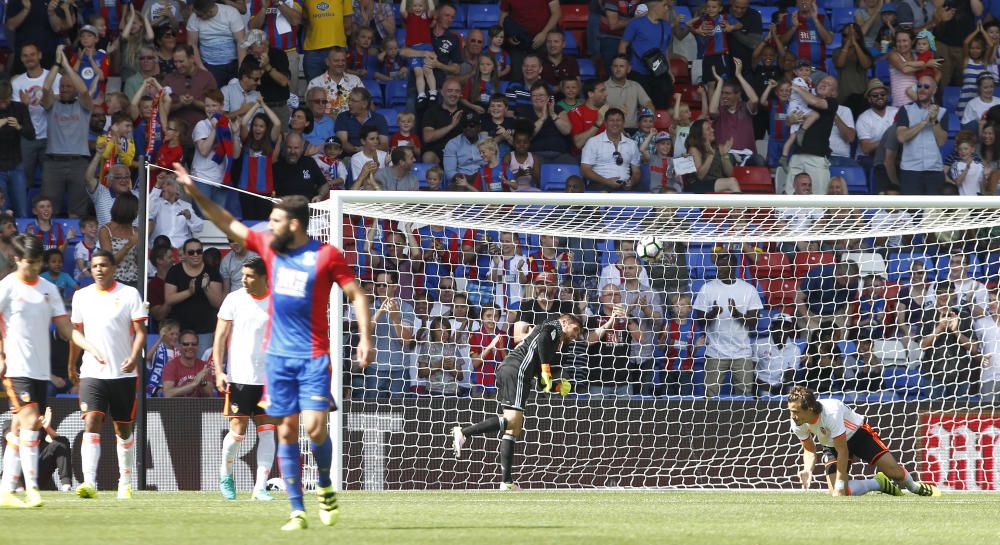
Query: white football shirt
[[106, 317], [249, 316], [28, 310], [835, 420], [727, 338]]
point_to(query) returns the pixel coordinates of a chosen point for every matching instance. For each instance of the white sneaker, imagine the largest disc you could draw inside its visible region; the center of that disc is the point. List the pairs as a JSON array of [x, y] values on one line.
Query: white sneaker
[[458, 440], [509, 486]]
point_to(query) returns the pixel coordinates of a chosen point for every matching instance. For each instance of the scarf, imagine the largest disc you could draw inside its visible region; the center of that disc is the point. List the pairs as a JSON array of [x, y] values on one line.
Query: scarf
[[223, 152], [153, 129]]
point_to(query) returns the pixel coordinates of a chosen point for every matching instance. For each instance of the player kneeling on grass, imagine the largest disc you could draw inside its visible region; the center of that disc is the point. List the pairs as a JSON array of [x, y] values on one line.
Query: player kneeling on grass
[[531, 358], [845, 436], [240, 330]]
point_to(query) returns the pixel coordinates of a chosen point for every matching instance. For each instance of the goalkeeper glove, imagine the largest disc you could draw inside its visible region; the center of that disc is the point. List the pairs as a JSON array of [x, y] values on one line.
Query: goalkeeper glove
[[546, 378], [565, 387]]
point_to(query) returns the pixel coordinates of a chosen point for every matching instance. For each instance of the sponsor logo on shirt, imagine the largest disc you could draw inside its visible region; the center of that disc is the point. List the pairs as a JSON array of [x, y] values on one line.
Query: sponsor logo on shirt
[[322, 6], [291, 282]]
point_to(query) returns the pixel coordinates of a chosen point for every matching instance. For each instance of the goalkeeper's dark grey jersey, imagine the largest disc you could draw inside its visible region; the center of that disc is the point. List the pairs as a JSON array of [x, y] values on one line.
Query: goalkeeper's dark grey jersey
[[538, 347]]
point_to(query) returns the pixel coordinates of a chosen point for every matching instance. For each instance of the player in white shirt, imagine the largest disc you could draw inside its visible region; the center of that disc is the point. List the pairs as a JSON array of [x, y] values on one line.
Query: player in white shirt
[[845, 437], [28, 305], [241, 327], [113, 317]]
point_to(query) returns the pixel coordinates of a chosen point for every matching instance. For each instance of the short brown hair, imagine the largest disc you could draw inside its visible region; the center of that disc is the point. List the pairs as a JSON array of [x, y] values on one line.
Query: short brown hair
[[805, 397]]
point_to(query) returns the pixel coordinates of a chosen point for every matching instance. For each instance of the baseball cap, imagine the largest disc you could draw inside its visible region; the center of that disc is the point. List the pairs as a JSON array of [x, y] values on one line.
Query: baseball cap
[[646, 112], [470, 119], [662, 136], [332, 141], [803, 63], [889, 8], [91, 29], [641, 9]]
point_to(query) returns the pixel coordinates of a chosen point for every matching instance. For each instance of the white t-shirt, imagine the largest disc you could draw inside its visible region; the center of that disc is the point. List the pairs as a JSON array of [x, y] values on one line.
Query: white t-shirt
[[107, 318], [680, 148], [203, 165], [81, 251], [972, 182], [888, 220], [599, 153], [612, 274], [216, 36], [772, 361], [28, 310], [838, 146], [249, 316], [871, 126], [835, 420], [975, 109], [33, 86], [507, 292], [727, 338], [359, 159], [797, 104]]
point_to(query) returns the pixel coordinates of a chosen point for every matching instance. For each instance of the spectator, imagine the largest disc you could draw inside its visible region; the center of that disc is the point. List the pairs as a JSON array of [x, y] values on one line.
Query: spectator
[[186, 375], [777, 356], [956, 22], [188, 83], [679, 339], [852, 61], [158, 307], [66, 148], [974, 115], [318, 127], [713, 165], [823, 370], [519, 91], [34, 23], [52, 234], [216, 32], [731, 116], [804, 32], [610, 334], [171, 216], [297, 174], [842, 138], [217, 143], [360, 114], [946, 341], [368, 153], [231, 268], [825, 296], [521, 164], [645, 308], [814, 151], [399, 175], [526, 24], [15, 127], [27, 89], [917, 14], [375, 15], [278, 78], [393, 319], [165, 40], [543, 303], [903, 66], [117, 181], [148, 68], [549, 126], [163, 13], [334, 170], [438, 359], [446, 58], [988, 331], [645, 37], [625, 94], [743, 41], [727, 308], [609, 159], [509, 272], [873, 123], [556, 66], [83, 250], [240, 95], [474, 44], [327, 25], [120, 237], [461, 153], [587, 120], [488, 348], [442, 121], [496, 49], [335, 81], [920, 132], [261, 136], [195, 292]]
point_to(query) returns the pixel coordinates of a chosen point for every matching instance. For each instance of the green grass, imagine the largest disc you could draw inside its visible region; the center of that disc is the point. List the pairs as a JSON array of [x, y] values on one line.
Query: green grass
[[484, 518]]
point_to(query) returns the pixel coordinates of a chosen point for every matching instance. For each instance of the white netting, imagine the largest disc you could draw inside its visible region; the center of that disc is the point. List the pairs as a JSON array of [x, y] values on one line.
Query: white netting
[[892, 309]]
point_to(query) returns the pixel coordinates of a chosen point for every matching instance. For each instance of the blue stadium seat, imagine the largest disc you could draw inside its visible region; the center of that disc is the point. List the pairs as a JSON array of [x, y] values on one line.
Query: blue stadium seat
[[950, 96], [587, 69], [375, 88], [953, 124], [841, 17], [554, 176], [572, 48], [882, 70], [835, 4], [685, 11], [483, 15], [400, 35], [989, 268], [461, 16], [420, 170], [700, 263], [857, 182], [395, 93], [766, 15], [390, 117], [463, 32], [947, 148], [899, 264]]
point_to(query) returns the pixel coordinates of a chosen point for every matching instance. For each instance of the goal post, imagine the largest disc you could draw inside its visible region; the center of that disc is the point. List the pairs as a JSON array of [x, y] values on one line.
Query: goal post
[[889, 303]]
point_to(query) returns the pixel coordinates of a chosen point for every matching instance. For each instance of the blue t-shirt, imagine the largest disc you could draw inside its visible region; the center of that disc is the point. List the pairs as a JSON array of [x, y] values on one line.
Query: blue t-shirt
[[643, 35], [322, 129], [63, 281], [348, 123]]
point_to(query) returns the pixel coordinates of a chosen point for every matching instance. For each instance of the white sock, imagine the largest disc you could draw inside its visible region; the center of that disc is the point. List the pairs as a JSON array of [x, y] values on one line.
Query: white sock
[[29, 458], [229, 447], [90, 454], [265, 454], [908, 483], [421, 95], [126, 456], [11, 465], [433, 92], [860, 488]]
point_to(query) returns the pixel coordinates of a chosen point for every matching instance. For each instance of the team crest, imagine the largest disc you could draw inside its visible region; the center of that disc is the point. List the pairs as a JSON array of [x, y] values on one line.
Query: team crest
[[306, 175], [25, 396], [83, 406], [234, 408]]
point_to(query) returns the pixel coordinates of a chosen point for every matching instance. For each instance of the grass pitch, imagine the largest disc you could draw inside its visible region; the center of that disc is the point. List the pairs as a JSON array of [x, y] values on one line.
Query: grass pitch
[[485, 518]]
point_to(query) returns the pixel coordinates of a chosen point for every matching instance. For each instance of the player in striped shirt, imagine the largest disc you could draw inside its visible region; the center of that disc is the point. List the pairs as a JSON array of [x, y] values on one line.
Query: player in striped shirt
[[533, 357], [301, 272], [845, 437]]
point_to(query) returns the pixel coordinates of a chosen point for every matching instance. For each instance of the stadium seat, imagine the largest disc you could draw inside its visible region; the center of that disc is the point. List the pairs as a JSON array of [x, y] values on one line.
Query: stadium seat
[[689, 95], [395, 12], [766, 14], [947, 148], [952, 123], [572, 48], [420, 170], [587, 69], [779, 292], [461, 16], [400, 34], [841, 4], [395, 93], [882, 70], [841, 18], [754, 179], [580, 36], [682, 72], [390, 117], [484, 15], [949, 98], [857, 182], [375, 88], [700, 262], [554, 176], [771, 265], [804, 261], [462, 32], [899, 264], [573, 16], [662, 120]]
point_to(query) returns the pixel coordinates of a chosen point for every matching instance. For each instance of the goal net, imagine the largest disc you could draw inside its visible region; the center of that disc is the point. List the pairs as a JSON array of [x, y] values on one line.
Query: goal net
[[888, 303]]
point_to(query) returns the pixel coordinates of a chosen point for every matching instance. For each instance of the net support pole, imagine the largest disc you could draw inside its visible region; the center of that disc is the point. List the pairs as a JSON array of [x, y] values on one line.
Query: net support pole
[[140, 428], [336, 235]]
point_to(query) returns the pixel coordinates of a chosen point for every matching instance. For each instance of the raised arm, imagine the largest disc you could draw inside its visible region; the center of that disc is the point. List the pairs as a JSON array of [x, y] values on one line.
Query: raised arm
[[213, 212]]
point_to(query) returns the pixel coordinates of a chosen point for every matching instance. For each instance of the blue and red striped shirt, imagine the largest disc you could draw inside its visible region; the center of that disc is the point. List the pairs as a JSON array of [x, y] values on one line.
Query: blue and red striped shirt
[[281, 40], [490, 179], [777, 127], [718, 42], [256, 174], [805, 43]]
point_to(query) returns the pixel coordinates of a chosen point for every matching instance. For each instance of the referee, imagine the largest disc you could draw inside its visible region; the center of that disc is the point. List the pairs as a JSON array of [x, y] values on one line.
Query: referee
[[533, 357]]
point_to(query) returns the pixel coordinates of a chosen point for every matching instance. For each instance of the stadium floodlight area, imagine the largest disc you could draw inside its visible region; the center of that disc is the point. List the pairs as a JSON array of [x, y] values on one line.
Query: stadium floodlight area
[[915, 349]]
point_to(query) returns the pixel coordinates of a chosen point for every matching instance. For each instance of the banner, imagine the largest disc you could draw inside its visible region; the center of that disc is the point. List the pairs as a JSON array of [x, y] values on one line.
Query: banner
[[961, 451]]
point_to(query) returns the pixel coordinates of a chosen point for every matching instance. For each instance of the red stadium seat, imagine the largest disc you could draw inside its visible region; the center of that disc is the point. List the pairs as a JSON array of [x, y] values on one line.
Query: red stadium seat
[[581, 41], [754, 179], [682, 72], [689, 96], [574, 16], [807, 260], [779, 292], [771, 265], [662, 120]]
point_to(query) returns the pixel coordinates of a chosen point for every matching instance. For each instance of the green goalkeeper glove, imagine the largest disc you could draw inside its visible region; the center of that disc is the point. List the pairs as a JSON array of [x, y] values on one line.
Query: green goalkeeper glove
[[565, 387], [546, 378]]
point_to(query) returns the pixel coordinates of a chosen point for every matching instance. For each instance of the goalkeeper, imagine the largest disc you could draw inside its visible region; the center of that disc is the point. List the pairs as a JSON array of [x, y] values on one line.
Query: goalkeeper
[[533, 357]]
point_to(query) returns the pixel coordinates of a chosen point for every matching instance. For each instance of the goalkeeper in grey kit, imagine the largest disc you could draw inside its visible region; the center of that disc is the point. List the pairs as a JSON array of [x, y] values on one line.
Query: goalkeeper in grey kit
[[533, 357]]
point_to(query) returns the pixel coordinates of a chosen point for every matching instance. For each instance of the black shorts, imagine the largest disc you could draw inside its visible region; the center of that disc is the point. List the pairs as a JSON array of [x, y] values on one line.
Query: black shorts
[[24, 391], [723, 66], [512, 389], [242, 400], [864, 445], [114, 397]]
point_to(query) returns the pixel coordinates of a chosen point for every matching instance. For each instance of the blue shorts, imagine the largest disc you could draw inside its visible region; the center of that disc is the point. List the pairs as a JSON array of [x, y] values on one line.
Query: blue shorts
[[298, 384], [418, 62], [774, 148]]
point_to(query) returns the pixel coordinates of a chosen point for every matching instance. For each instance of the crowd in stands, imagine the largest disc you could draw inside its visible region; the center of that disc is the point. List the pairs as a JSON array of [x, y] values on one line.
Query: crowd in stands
[[307, 97]]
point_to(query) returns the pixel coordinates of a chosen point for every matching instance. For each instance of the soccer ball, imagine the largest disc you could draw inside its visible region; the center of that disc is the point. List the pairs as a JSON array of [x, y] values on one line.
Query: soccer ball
[[648, 248]]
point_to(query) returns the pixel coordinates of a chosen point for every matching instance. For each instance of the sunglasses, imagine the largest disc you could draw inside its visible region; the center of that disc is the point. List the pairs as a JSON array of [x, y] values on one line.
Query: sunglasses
[[877, 95], [618, 158], [199, 251]]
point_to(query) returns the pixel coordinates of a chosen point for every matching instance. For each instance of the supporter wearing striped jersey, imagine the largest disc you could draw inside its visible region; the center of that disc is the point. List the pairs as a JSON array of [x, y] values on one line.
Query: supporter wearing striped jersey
[[113, 317], [28, 305], [242, 324], [533, 357], [804, 33], [845, 437]]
